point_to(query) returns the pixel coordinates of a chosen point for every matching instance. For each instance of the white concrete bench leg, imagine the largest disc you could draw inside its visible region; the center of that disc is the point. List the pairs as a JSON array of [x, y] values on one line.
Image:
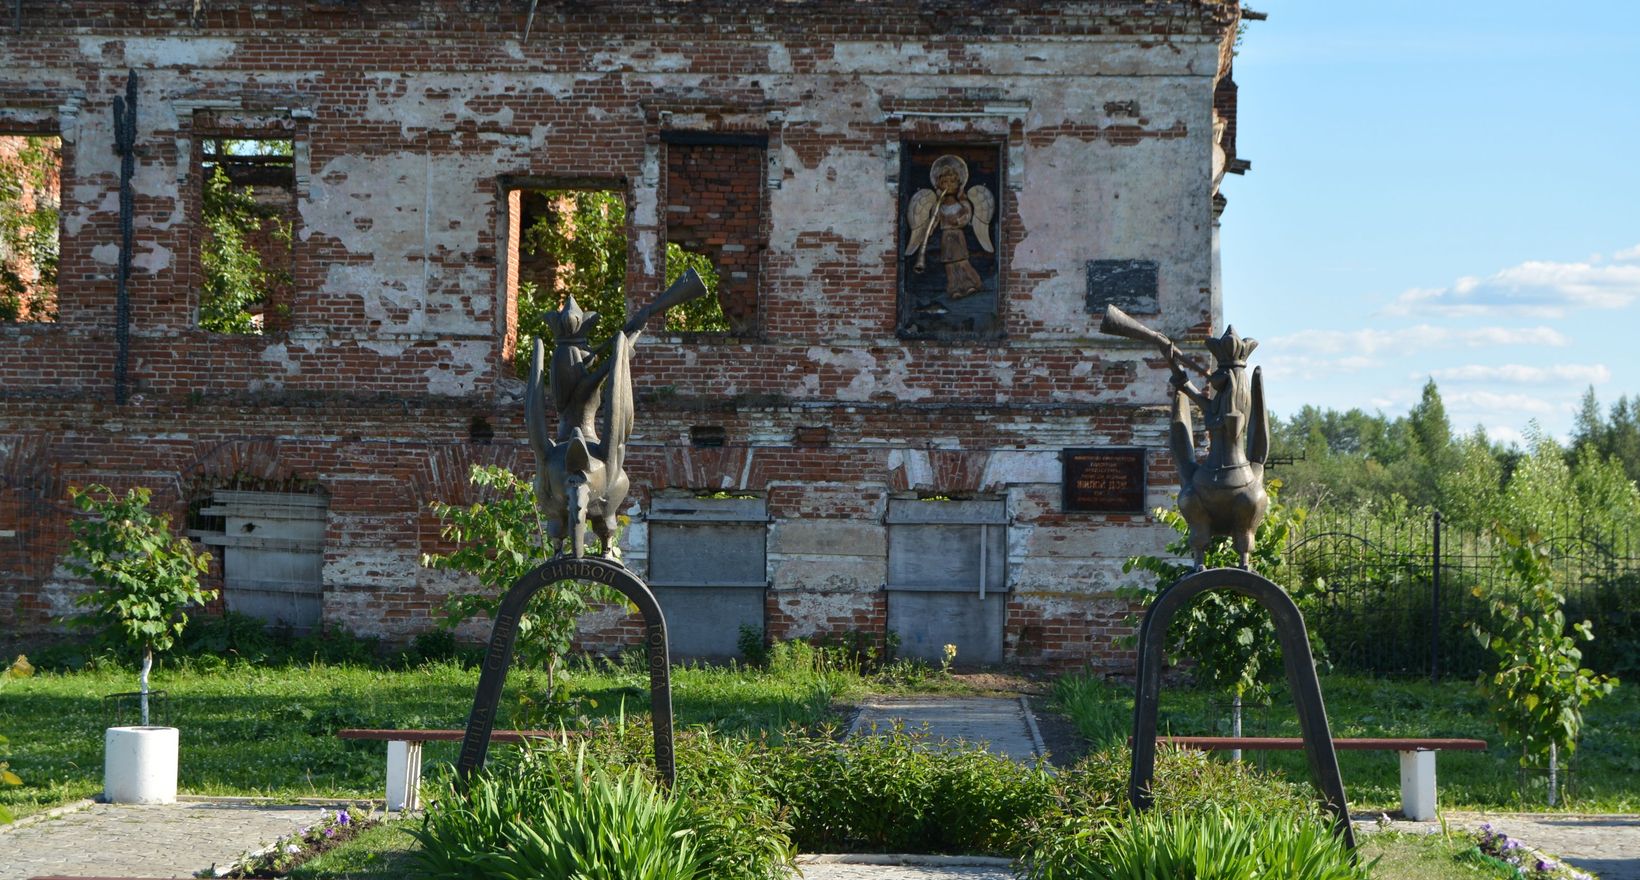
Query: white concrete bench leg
[[403, 775], [1418, 784]]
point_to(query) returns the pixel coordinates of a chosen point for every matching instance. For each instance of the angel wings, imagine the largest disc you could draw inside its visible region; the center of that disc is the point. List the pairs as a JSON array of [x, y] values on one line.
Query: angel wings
[[951, 206]]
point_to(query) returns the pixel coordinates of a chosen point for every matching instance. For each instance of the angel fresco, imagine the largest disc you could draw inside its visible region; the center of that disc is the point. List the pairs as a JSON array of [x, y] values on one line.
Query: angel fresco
[[955, 208]]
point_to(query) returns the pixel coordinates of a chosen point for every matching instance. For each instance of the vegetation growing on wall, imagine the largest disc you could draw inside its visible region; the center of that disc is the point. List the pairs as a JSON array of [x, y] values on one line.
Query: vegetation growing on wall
[[30, 168], [246, 251]]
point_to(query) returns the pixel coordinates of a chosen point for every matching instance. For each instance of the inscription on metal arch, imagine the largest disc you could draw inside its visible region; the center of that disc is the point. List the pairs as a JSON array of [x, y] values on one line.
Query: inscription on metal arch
[[475, 745]]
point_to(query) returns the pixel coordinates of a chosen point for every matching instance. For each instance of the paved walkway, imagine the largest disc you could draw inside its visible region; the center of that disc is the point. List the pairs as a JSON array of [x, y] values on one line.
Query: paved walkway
[[1001, 722], [156, 841], [892, 867], [1608, 846]]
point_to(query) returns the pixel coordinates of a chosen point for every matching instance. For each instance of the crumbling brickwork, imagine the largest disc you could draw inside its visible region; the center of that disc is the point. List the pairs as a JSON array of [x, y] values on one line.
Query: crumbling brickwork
[[411, 125]]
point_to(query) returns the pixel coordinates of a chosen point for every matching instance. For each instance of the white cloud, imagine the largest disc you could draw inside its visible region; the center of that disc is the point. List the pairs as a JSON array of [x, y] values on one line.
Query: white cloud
[[1423, 337], [1523, 374], [1537, 287], [1493, 404], [1627, 254]]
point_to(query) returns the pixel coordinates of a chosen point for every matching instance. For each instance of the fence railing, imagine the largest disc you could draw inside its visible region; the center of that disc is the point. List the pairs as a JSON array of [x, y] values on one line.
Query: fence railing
[[1396, 595]]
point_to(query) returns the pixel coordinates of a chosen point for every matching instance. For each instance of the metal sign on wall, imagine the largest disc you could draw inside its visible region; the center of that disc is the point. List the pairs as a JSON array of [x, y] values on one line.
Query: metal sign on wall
[[1104, 479]]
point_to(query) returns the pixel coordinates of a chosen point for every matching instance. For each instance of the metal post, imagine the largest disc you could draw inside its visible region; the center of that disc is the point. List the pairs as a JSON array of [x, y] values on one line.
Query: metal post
[[125, 143], [1435, 606]]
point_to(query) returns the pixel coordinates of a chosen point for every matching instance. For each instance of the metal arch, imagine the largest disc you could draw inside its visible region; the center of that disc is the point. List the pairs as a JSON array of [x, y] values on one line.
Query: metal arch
[[1301, 677], [498, 657]]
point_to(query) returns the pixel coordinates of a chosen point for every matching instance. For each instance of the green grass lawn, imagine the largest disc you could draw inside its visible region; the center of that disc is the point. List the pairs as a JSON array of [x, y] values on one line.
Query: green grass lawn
[[1606, 775], [250, 730]]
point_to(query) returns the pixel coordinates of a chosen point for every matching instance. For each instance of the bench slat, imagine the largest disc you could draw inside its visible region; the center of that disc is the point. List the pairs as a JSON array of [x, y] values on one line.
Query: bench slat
[[447, 735], [1293, 743]]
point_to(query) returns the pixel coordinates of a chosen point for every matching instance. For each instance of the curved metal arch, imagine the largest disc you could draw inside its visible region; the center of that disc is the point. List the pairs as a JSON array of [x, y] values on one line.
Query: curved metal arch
[[1301, 677], [475, 745]]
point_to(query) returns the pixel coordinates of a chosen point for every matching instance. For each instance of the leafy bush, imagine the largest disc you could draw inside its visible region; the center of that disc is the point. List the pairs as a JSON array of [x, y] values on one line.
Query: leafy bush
[[145, 576], [548, 817], [1539, 688], [895, 792], [1210, 844], [1092, 801]]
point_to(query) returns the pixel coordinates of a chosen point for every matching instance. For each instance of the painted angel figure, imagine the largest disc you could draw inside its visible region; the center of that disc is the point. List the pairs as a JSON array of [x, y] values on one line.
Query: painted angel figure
[[952, 206]]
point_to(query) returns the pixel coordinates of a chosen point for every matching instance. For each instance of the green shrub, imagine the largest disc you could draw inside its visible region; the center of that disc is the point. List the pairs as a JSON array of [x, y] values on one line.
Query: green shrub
[[1210, 844], [899, 792], [1092, 801], [549, 817]]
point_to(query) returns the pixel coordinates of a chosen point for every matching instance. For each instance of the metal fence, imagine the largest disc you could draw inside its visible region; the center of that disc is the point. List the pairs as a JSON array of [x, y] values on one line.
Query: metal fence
[[1396, 595]]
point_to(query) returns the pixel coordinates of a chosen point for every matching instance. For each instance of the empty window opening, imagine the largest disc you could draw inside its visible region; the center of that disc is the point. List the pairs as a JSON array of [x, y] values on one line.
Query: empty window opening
[[570, 242], [248, 217], [30, 201], [702, 315], [714, 223], [707, 436]]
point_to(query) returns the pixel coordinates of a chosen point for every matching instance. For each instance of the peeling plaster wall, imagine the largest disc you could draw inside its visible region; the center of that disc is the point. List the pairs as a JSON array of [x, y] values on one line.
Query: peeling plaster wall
[[408, 119]]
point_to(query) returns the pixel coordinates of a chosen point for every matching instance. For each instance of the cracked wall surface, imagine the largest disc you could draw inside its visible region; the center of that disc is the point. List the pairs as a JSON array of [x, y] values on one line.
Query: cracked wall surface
[[409, 120]]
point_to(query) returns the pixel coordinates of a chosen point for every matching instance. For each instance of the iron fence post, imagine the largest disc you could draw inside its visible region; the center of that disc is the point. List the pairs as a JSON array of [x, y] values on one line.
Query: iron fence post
[[1435, 605]]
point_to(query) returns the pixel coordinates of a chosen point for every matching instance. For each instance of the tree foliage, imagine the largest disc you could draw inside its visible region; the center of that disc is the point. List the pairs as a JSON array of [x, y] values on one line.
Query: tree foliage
[[146, 576], [1539, 688], [501, 540], [1230, 637], [1333, 460], [29, 210]]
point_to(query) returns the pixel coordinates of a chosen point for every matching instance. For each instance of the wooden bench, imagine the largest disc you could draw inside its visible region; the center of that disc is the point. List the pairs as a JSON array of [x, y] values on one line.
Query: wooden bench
[[404, 755], [1417, 759]]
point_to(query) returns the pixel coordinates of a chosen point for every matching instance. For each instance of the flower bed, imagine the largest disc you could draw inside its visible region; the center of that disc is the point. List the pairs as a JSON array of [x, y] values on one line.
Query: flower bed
[[1527, 863], [287, 853]]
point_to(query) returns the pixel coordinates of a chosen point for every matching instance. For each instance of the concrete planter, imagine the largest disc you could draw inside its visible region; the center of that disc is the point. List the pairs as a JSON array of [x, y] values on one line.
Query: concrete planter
[[140, 765]]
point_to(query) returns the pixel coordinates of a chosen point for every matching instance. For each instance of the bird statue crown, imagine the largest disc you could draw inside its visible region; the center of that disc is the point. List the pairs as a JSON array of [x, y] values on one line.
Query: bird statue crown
[[1230, 350], [569, 323]]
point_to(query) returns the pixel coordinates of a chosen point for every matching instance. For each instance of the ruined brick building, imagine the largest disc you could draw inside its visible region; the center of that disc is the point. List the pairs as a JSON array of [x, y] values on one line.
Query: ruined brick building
[[919, 210]]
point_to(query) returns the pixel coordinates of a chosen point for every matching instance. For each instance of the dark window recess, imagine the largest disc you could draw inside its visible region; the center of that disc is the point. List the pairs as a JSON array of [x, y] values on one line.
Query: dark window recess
[[248, 220], [1129, 285], [708, 436], [708, 566], [479, 430]]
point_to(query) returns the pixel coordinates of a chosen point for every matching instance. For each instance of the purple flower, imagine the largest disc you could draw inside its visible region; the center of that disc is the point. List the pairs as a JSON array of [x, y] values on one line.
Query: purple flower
[[342, 818], [330, 832]]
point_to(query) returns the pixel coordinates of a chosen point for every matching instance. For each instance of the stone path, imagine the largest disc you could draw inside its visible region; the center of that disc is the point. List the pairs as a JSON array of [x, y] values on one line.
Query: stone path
[[156, 841], [893, 867], [1001, 722], [1608, 846]]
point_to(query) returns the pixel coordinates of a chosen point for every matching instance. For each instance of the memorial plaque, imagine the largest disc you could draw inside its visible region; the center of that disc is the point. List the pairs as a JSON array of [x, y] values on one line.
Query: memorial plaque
[[1104, 480]]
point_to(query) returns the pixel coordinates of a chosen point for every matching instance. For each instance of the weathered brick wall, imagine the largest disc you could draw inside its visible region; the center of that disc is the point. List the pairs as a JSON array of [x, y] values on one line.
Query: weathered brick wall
[[409, 120]]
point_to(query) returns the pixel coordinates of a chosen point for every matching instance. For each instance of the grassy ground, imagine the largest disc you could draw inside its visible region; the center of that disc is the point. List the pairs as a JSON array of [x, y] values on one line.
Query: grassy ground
[[1606, 775], [249, 730]]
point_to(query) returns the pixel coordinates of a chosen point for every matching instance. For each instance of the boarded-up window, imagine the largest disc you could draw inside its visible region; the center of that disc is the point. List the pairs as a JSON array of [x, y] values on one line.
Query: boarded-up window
[[708, 565], [947, 578], [273, 555], [948, 545]]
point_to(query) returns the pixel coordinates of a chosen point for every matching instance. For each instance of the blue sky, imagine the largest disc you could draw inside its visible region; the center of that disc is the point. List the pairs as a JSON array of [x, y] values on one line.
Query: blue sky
[[1440, 188]]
